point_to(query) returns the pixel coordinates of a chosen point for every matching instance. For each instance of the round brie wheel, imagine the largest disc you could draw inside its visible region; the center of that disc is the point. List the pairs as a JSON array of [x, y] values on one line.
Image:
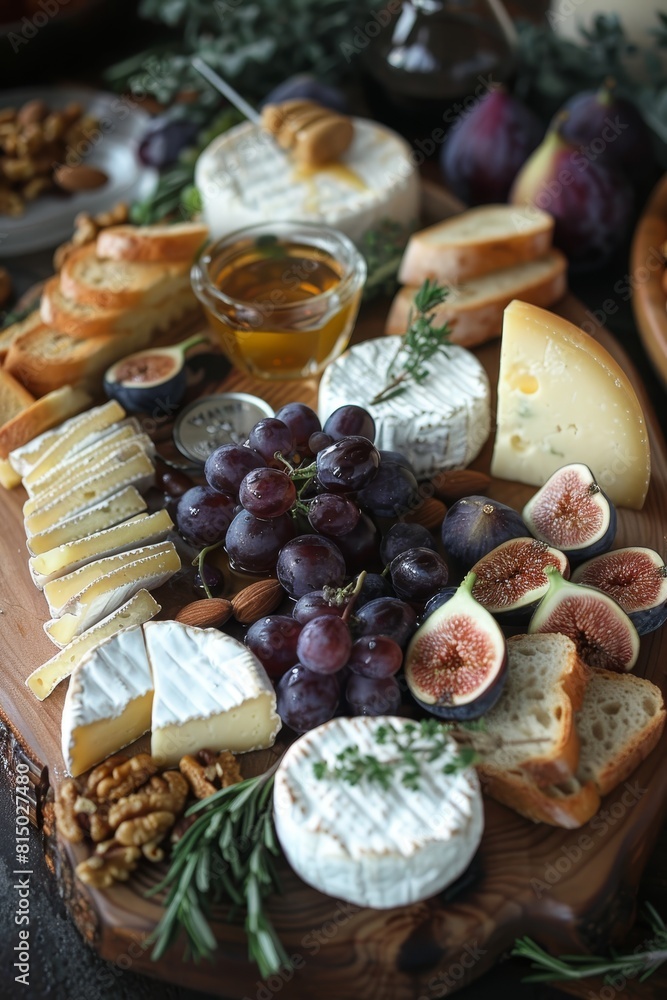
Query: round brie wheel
[[365, 844]]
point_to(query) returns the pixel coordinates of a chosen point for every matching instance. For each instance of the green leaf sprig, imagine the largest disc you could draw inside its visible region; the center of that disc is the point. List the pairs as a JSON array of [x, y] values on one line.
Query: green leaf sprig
[[421, 341]]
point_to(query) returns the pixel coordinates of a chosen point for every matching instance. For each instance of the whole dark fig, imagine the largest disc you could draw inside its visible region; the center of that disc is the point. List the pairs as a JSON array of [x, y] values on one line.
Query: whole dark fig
[[475, 525], [485, 149]]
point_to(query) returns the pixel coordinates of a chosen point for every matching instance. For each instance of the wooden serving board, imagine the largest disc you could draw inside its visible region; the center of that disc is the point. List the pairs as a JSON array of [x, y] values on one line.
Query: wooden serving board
[[571, 890], [649, 297]]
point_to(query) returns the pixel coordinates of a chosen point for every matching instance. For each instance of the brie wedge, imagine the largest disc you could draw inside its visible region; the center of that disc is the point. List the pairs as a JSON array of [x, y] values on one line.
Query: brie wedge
[[70, 438], [119, 507], [120, 438]]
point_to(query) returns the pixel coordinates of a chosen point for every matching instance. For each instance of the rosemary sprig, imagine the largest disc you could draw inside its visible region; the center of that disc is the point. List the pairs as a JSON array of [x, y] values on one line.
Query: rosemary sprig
[[636, 965], [225, 855], [421, 341]]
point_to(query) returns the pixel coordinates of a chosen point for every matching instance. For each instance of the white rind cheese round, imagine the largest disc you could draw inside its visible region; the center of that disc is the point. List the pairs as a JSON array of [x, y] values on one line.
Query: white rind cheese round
[[441, 423], [365, 844], [244, 179]]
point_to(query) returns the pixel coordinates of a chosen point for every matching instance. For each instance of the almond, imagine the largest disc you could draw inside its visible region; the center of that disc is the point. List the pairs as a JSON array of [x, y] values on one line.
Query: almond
[[458, 483], [207, 613], [257, 600], [80, 178], [430, 514]]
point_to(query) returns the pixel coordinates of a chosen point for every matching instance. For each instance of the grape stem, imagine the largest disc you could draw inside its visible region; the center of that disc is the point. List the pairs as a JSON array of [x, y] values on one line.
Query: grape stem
[[349, 607], [199, 562]]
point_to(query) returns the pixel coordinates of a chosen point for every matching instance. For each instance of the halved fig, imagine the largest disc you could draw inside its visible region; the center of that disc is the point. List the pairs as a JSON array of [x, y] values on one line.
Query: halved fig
[[474, 525], [636, 578], [572, 513], [599, 627], [456, 662], [511, 579]]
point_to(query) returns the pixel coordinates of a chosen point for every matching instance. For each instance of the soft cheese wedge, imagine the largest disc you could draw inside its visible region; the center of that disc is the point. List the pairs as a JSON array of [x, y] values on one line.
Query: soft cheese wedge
[[68, 439], [144, 529], [138, 472], [25, 457], [210, 691], [109, 592], [139, 609], [562, 398], [367, 844], [105, 514], [108, 702], [44, 413], [102, 445]]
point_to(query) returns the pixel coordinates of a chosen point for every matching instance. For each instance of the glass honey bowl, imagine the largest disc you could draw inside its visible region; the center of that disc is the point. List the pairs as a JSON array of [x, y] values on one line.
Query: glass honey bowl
[[283, 297]]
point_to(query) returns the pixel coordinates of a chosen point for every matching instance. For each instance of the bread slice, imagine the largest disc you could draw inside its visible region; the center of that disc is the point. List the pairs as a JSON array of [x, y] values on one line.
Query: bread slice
[[10, 333], [175, 242], [14, 397], [477, 242], [475, 308], [40, 416], [545, 686], [120, 284]]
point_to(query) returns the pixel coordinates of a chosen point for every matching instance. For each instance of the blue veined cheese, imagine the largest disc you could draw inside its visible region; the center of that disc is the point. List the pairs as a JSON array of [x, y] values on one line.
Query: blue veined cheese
[[441, 423], [369, 845], [245, 178]]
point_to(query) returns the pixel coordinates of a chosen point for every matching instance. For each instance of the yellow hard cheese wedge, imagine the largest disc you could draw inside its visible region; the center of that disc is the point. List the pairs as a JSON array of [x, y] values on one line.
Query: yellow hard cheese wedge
[[81, 428], [119, 507], [139, 609], [144, 529], [107, 594], [8, 477], [562, 398], [124, 432]]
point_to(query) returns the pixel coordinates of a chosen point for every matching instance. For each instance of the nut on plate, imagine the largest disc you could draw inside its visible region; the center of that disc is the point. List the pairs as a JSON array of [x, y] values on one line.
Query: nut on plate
[[257, 600], [430, 513], [209, 612], [102, 870]]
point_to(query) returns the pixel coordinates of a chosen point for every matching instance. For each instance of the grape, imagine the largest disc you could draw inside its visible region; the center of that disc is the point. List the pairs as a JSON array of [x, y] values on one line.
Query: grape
[[273, 641], [227, 466], [333, 515], [269, 436], [318, 441], [402, 537], [348, 421], [203, 515], [324, 644], [173, 482], [437, 601], [267, 493], [396, 458], [347, 465], [214, 578], [387, 616], [360, 547], [309, 562], [375, 656], [165, 140], [392, 493], [374, 586], [314, 605], [253, 545], [372, 696], [417, 573], [306, 699], [302, 422]]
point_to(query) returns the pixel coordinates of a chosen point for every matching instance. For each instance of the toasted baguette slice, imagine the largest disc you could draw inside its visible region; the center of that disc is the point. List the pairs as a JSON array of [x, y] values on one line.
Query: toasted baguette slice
[[545, 686], [14, 397], [120, 284], [40, 416], [477, 242], [10, 333], [179, 241], [475, 308]]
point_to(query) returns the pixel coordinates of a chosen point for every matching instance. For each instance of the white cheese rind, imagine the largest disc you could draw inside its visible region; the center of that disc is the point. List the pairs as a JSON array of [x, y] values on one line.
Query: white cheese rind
[[71, 438], [439, 424], [90, 458], [368, 845], [23, 459], [105, 514], [245, 178]]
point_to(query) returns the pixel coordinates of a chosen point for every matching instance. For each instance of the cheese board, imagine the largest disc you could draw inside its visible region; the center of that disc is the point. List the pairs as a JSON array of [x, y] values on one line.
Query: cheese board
[[571, 890], [649, 299]]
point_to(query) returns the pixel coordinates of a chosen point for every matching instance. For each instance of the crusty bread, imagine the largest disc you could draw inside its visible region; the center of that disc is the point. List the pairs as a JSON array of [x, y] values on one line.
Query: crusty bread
[[545, 686], [10, 333], [475, 308], [40, 416], [476, 242], [120, 284], [177, 242], [569, 804], [14, 397]]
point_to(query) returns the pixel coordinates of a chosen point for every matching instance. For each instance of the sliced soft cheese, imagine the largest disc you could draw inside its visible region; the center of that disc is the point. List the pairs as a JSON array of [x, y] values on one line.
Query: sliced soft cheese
[[367, 844], [441, 423], [144, 529], [9, 478], [245, 178], [124, 433], [107, 594], [210, 691], [23, 459], [139, 609], [108, 702], [138, 472], [67, 440], [562, 398], [119, 507]]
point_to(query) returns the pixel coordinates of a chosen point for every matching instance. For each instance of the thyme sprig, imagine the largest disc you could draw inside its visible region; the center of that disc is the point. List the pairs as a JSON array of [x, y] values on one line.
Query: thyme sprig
[[421, 341]]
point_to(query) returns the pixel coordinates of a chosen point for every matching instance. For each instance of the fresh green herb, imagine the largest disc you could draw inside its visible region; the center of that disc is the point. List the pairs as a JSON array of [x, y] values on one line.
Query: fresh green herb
[[225, 856], [383, 247], [636, 965], [421, 341]]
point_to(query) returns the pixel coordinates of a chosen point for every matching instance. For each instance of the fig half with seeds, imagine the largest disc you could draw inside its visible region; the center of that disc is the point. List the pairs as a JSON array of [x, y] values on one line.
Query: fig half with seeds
[[511, 579], [474, 525], [599, 627], [636, 578], [456, 662], [572, 513]]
